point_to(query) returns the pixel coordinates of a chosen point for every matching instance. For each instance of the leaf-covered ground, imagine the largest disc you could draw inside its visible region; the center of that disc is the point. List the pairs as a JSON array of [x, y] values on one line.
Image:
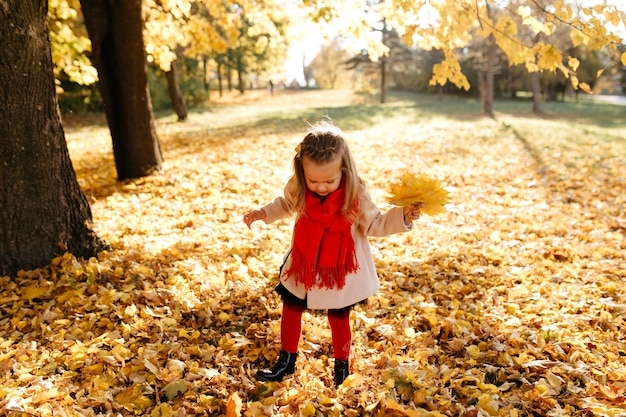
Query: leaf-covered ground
[[510, 304]]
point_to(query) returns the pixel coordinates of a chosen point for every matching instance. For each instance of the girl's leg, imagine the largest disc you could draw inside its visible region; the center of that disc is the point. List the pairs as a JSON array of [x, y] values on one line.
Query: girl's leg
[[290, 330], [291, 327], [339, 321]]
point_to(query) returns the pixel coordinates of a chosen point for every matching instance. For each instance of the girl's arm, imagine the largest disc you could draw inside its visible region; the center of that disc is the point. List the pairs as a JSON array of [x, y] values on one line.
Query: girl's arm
[[375, 223], [281, 207]]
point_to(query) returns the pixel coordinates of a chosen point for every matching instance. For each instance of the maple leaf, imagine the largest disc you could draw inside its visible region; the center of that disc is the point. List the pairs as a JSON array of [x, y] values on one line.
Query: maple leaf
[[233, 406], [410, 189]]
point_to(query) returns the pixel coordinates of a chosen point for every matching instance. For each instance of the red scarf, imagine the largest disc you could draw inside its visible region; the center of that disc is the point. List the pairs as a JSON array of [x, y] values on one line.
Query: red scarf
[[323, 243]]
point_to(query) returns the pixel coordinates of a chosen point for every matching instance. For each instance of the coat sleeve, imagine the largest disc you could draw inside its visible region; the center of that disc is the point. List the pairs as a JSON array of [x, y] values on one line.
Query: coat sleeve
[[282, 206], [375, 223]]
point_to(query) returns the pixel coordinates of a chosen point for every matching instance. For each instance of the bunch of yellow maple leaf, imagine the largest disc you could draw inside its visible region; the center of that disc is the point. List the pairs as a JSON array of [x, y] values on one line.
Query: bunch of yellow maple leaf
[[410, 189]]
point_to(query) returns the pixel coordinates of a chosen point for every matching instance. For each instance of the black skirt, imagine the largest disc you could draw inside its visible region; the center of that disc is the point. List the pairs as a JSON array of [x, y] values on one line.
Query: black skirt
[[289, 298]]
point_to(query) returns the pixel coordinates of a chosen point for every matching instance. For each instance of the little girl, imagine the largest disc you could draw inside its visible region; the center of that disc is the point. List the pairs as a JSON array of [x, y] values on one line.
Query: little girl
[[329, 265]]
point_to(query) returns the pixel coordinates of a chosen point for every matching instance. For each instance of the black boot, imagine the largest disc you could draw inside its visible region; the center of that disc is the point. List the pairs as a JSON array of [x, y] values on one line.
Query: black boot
[[285, 366], [342, 370]]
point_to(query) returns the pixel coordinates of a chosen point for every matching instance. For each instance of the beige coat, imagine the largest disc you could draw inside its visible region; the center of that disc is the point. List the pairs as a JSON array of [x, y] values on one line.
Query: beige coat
[[360, 284]]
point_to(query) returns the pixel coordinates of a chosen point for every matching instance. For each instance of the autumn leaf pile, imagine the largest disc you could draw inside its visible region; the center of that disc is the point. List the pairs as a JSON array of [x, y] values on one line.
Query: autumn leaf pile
[[511, 303]]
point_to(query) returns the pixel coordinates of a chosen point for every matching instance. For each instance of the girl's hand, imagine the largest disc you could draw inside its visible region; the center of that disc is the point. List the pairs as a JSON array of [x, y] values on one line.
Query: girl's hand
[[253, 216], [412, 212]]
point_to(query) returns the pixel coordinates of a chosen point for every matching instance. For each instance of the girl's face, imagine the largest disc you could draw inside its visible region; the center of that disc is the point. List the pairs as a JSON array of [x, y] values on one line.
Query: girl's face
[[323, 178]]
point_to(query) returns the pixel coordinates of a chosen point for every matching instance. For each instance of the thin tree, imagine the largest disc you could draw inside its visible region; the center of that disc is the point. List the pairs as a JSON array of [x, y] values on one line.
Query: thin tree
[[115, 28], [174, 91]]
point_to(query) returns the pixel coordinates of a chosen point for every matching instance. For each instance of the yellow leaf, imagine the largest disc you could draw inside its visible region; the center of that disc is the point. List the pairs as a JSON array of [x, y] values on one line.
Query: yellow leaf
[[524, 11], [34, 292], [431, 318], [623, 58], [573, 63], [100, 383], [308, 410], [121, 353], [585, 87], [174, 388], [132, 398], [549, 57], [488, 387], [233, 406], [46, 396], [536, 25], [223, 317], [410, 189], [532, 67], [163, 410], [488, 404], [579, 38], [473, 351], [95, 369], [394, 406], [68, 295]]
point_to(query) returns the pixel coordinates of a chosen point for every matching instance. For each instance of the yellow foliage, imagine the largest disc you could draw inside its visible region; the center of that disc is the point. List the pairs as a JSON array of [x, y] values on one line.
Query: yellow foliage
[[410, 189], [548, 56]]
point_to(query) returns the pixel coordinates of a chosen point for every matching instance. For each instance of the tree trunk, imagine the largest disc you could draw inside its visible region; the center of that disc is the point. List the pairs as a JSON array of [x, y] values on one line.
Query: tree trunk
[[176, 96], [220, 79], [242, 88], [207, 78], [489, 76], [383, 67], [240, 71], [44, 211], [536, 92], [115, 28], [383, 80], [229, 77]]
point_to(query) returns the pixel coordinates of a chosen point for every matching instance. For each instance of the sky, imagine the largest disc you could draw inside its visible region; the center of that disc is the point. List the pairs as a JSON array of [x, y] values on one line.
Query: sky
[[303, 50]]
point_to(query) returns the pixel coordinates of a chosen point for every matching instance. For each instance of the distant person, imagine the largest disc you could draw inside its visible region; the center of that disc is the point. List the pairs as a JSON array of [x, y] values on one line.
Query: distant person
[[329, 265], [271, 83]]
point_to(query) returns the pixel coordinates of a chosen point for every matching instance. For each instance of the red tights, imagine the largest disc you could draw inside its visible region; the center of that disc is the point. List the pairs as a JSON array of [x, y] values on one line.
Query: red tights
[[339, 321]]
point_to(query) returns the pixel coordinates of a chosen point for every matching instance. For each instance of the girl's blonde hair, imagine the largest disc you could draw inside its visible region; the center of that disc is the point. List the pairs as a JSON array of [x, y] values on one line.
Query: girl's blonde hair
[[323, 143]]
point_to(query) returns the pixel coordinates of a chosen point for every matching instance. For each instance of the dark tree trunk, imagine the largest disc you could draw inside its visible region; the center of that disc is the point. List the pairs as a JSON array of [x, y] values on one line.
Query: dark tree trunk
[[383, 80], [536, 92], [115, 28], [486, 90], [176, 96], [207, 78], [241, 87], [220, 79], [383, 67], [44, 211], [240, 73], [489, 76]]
